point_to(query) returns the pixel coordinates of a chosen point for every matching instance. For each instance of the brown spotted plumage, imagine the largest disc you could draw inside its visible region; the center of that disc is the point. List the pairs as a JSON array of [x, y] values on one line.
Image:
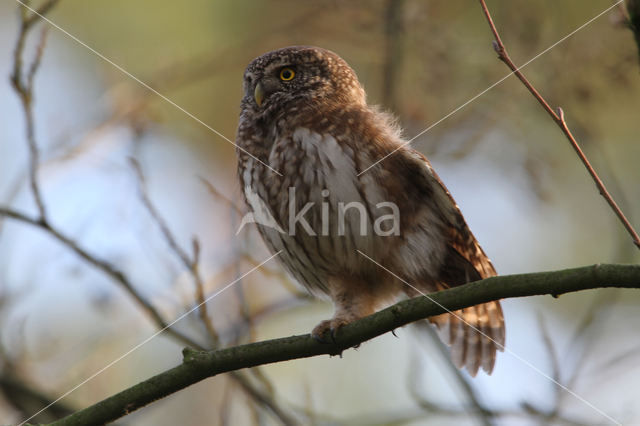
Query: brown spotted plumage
[[304, 115]]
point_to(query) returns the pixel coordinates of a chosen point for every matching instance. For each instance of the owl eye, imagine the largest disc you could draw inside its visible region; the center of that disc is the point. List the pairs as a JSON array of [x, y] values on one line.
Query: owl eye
[[287, 74]]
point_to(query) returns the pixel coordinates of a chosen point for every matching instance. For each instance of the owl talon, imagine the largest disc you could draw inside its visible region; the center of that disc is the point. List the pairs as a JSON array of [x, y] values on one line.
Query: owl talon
[[320, 331], [330, 327]]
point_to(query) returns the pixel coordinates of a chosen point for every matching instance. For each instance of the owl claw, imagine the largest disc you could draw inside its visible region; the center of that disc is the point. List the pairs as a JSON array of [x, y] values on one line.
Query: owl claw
[[320, 330], [331, 326]]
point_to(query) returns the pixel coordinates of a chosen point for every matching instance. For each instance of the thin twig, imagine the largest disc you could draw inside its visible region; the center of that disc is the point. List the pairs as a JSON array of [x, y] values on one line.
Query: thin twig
[[203, 310], [592, 322], [263, 398], [485, 416], [225, 405], [23, 86], [189, 262], [104, 266], [555, 368], [192, 264], [558, 117], [217, 194], [248, 320]]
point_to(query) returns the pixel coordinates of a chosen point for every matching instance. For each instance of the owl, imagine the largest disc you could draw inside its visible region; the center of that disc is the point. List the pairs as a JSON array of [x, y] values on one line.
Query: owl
[[347, 226]]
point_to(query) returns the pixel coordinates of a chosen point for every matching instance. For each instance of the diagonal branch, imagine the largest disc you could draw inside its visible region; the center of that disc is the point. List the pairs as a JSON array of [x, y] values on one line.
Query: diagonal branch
[[199, 365], [104, 266], [558, 116]]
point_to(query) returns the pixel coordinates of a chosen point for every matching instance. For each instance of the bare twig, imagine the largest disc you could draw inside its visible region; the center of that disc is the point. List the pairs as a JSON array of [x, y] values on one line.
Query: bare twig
[[217, 194], [555, 367], [263, 398], [189, 262], [192, 264], [248, 320], [282, 277], [203, 310], [104, 266], [245, 313], [585, 333], [23, 86], [558, 117], [485, 416]]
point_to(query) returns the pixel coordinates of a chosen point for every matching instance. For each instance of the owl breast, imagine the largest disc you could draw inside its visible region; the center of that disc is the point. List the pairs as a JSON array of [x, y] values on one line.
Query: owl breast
[[319, 213]]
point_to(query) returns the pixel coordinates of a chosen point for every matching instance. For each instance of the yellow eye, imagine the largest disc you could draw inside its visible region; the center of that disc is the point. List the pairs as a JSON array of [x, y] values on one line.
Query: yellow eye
[[287, 74]]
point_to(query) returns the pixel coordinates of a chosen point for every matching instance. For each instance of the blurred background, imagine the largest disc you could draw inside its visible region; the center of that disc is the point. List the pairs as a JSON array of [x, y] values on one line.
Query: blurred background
[[523, 191]]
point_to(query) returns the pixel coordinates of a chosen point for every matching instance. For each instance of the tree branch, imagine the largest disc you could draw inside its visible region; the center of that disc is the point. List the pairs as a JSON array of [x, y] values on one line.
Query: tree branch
[[558, 117], [199, 365], [104, 266]]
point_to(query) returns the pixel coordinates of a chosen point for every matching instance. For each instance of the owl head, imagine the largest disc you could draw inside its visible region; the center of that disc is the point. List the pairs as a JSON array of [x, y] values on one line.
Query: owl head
[[298, 74]]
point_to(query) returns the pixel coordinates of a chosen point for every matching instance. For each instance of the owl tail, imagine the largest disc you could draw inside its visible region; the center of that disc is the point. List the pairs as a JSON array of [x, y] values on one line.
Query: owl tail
[[474, 335]]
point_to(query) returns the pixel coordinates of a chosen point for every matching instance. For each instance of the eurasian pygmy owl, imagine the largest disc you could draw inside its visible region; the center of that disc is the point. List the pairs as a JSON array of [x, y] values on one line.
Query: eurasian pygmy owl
[[306, 142]]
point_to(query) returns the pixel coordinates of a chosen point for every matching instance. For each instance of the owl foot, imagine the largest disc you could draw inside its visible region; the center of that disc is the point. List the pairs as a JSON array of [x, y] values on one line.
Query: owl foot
[[331, 326]]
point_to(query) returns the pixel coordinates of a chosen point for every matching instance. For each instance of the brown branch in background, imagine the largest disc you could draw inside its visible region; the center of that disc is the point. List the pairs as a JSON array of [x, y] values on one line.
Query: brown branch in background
[[189, 262], [558, 117], [585, 336], [485, 416], [104, 266], [23, 86], [247, 320], [200, 298], [555, 371], [219, 195]]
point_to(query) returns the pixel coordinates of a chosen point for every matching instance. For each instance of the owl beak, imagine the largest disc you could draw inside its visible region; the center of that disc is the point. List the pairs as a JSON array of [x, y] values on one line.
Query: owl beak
[[258, 94]]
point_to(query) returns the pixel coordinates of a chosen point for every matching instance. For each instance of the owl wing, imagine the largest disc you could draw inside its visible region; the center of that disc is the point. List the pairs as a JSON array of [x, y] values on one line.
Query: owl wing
[[465, 260], [475, 333]]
